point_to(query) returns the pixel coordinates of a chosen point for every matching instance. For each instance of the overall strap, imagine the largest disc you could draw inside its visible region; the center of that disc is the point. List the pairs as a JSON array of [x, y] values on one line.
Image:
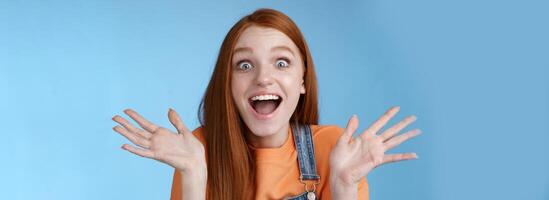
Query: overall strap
[[303, 139]]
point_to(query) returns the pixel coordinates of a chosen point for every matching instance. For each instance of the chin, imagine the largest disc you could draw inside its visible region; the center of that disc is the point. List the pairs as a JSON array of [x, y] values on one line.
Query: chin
[[262, 129]]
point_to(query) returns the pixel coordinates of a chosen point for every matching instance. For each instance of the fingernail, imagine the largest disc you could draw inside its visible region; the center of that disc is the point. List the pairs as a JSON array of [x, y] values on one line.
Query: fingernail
[[415, 155], [354, 116]]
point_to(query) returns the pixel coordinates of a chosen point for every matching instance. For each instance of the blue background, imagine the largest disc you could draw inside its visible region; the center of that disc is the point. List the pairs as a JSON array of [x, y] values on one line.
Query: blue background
[[474, 72]]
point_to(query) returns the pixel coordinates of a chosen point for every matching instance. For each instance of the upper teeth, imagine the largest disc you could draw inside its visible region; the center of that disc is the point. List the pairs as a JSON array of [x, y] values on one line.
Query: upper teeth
[[265, 97]]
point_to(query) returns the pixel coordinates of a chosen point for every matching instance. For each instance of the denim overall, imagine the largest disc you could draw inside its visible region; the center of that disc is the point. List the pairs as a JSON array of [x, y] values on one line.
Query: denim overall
[[303, 139]]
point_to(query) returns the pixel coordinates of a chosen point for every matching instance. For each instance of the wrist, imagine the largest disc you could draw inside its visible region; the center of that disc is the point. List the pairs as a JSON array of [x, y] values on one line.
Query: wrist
[[341, 189], [195, 173], [194, 181]]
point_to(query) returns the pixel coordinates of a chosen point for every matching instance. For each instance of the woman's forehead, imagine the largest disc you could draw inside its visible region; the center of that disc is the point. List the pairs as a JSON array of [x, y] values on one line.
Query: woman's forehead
[[264, 38]]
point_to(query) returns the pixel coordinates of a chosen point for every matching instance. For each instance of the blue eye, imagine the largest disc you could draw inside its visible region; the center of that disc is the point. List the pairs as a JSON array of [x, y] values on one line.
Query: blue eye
[[244, 66], [282, 63]]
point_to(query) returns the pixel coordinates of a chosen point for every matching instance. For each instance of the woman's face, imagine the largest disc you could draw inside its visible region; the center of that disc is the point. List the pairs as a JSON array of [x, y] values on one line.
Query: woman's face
[[267, 79]]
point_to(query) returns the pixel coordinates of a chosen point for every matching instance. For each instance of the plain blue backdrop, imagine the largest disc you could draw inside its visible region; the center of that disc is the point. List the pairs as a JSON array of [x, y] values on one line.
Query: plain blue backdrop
[[474, 72]]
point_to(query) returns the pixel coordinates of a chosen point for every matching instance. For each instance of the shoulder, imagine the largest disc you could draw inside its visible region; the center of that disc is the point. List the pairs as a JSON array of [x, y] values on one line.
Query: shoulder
[[199, 134], [326, 134], [324, 138]]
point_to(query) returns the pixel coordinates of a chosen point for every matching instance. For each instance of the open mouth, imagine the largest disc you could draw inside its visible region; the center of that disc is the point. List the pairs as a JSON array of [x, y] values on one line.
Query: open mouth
[[265, 104]]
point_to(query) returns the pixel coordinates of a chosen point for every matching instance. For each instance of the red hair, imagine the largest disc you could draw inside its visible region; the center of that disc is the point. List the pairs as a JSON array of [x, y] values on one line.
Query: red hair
[[230, 163]]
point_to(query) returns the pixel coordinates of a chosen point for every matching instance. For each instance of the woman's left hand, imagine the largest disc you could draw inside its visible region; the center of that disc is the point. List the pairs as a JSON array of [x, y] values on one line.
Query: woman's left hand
[[353, 158]]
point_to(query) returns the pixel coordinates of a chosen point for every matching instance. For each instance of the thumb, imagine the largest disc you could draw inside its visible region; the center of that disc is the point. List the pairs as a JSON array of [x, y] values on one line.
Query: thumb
[[176, 121]]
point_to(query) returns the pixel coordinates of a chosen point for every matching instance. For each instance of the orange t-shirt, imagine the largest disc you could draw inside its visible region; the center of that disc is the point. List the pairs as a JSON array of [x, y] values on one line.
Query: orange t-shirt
[[277, 170]]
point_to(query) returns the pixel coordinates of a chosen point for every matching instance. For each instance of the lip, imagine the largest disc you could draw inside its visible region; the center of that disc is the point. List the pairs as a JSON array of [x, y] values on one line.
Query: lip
[[262, 116], [264, 93]]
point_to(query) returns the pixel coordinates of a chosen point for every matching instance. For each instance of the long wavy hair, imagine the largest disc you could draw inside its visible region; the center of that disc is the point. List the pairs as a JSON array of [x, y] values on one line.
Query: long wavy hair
[[230, 164]]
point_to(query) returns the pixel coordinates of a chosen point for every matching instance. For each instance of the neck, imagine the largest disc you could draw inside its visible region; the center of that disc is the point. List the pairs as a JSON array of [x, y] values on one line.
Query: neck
[[271, 141]]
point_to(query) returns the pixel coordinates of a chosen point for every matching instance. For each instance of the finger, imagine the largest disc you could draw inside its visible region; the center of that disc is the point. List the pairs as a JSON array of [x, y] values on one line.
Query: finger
[[351, 127], [134, 138], [131, 127], [176, 122], [137, 151], [378, 124], [125, 123], [145, 124], [397, 140], [398, 157], [397, 127]]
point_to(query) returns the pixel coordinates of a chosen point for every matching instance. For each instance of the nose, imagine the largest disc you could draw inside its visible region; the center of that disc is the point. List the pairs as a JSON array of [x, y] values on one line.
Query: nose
[[264, 76]]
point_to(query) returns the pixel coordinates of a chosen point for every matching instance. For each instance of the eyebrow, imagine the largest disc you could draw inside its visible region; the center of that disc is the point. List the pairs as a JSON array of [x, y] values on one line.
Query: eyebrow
[[249, 50], [283, 48], [243, 49]]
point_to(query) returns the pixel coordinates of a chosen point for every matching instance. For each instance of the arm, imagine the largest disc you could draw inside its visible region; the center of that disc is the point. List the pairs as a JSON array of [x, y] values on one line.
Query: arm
[[187, 188], [193, 185]]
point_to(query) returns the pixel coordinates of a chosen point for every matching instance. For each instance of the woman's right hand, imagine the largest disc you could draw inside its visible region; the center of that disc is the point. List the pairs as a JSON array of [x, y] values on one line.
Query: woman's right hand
[[181, 150]]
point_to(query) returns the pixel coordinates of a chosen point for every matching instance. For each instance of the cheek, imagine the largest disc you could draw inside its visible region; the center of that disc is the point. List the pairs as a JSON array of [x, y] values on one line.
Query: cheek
[[293, 86], [239, 85], [235, 88]]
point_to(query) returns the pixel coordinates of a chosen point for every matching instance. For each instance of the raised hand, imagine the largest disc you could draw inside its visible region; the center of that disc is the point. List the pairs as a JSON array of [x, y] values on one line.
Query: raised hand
[[180, 150], [353, 158]]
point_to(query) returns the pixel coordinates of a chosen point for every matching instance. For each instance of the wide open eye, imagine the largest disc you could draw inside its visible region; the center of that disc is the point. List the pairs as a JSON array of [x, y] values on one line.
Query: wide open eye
[[244, 65], [282, 63]]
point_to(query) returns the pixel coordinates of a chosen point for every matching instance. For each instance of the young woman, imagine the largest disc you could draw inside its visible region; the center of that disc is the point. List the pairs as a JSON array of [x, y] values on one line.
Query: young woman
[[260, 137]]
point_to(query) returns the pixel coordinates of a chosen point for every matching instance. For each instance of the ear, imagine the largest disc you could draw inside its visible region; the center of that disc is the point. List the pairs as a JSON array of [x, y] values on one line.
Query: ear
[[302, 90]]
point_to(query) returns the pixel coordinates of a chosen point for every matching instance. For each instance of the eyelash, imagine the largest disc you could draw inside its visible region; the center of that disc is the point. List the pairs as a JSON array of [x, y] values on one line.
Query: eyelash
[[239, 63], [285, 60]]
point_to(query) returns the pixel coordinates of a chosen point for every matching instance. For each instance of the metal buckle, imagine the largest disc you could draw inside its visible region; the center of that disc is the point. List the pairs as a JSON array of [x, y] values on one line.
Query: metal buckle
[[316, 182]]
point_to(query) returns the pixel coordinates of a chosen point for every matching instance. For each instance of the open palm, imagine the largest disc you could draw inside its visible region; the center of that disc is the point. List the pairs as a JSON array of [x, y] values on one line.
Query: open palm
[[353, 158], [180, 150]]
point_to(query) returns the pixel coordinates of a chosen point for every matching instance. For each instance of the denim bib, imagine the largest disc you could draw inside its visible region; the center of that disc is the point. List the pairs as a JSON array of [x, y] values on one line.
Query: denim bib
[[303, 139]]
